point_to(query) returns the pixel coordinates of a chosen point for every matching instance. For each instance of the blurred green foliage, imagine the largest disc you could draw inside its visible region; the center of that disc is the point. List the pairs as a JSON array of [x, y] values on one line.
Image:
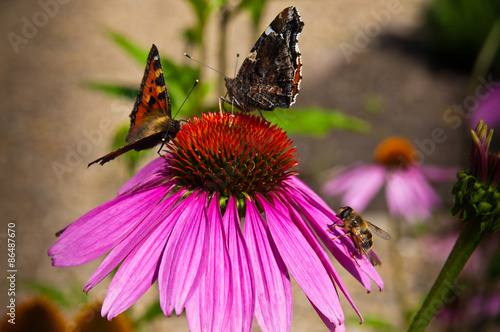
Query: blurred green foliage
[[315, 121], [68, 297], [459, 28], [372, 323], [373, 103]]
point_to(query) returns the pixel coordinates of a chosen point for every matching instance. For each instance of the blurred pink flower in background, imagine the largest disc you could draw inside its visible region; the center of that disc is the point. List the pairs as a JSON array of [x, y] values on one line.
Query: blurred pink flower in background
[[472, 310], [407, 189], [487, 110]]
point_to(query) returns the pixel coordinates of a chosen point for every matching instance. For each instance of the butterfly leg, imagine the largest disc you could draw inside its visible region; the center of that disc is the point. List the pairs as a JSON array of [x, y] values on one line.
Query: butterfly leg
[[221, 104], [161, 147], [163, 141], [262, 116], [223, 100]]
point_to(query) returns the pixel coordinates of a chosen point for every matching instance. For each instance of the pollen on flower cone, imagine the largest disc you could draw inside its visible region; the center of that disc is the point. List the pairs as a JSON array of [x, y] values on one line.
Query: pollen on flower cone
[[232, 154], [395, 151]]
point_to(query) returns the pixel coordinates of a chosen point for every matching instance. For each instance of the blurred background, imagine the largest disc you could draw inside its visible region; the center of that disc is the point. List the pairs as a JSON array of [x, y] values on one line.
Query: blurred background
[[70, 70]]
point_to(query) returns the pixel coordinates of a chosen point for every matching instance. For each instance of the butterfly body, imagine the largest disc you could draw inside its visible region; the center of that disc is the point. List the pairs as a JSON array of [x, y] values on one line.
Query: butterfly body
[[151, 120], [270, 75]]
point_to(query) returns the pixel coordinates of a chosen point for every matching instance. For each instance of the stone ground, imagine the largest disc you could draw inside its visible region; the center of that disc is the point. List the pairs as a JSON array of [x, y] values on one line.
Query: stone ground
[[46, 113]]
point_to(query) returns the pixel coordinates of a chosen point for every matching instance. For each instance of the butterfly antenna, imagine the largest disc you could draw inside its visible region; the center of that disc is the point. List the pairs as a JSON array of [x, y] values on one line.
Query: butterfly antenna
[[204, 65], [185, 99], [165, 137]]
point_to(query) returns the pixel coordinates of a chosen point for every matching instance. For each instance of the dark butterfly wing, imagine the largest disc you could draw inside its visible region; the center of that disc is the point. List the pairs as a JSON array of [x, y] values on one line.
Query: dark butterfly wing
[[144, 143], [270, 75], [152, 102]]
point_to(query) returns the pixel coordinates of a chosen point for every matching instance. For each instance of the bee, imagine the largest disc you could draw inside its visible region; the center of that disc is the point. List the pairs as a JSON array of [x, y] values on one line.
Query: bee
[[359, 231]]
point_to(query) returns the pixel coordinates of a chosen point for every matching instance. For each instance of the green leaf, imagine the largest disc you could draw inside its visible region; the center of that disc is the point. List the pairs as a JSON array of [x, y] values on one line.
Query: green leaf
[[74, 297], [181, 75], [255, 7], [373, 103], [51, 292], [137, 52], [113, 89], [374, 322], [192, 35], [201, 9], [315, 121]]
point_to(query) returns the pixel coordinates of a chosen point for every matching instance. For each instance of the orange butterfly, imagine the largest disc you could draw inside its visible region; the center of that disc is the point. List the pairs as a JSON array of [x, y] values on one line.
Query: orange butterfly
[[151, 120]]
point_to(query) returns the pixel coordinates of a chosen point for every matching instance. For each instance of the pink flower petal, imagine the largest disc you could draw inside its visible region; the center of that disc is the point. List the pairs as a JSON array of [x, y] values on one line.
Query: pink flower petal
[[140, 269], [302, 262], [487, 110], [243, 308], [144, 177], [409, 195], [137, 272], [298, 185], [184, 257], [329, 325], [99, 230], [210, 306], [121, 251], [274, 302], [358, 185], [319, 216], [440, 174]]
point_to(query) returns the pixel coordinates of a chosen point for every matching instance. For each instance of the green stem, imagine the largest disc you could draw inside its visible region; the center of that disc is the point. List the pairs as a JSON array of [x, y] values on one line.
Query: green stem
[[467, 242]]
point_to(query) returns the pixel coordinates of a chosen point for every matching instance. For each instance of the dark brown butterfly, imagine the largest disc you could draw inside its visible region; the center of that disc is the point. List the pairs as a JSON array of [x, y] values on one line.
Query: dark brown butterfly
[[151, 120], [271, 74]]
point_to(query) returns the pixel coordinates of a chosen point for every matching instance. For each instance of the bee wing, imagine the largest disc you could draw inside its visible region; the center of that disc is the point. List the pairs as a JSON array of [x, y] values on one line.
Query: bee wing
[[373, 257], [379, 231]]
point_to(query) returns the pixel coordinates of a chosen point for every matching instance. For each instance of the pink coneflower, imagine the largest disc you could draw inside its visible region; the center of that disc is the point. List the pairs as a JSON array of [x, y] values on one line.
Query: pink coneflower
[[221, 222], [407, 190]]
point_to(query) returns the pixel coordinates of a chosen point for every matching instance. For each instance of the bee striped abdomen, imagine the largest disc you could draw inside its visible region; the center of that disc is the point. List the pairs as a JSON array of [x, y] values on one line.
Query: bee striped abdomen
[[366, 240]]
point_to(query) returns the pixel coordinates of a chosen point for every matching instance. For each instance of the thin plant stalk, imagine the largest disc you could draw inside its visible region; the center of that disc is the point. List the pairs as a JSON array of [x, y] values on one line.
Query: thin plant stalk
[[443, 291]]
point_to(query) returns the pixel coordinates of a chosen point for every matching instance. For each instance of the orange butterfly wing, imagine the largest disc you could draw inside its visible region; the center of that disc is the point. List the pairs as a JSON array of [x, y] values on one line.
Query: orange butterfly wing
[[152, 101], [150, 120]]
